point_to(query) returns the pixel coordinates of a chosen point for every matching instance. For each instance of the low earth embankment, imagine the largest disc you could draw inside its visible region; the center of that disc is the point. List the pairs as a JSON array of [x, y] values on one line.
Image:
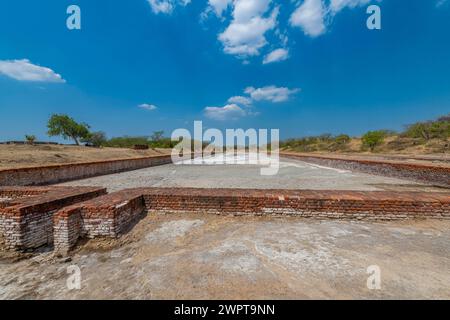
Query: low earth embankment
[[18, 156]]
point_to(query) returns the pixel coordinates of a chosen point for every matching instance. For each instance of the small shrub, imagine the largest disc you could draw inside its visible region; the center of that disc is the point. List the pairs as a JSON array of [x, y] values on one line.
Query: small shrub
[[30, 138], [96, 139], [372, 139]]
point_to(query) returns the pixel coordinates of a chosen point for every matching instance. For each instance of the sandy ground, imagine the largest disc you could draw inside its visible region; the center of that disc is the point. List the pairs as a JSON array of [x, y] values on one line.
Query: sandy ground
[[293, 174], [15, 156], [216, 257]]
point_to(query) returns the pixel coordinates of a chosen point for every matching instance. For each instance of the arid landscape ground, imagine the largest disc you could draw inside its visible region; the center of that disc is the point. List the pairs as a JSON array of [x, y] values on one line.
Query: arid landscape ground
[[216, 257], [201, 256], [17, 156]]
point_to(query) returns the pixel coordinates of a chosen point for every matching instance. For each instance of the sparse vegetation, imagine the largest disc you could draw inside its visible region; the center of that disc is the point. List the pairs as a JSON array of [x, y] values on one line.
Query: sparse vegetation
[[325, 142], [126, 142], [423, 137], [438, 129], [428, 137]]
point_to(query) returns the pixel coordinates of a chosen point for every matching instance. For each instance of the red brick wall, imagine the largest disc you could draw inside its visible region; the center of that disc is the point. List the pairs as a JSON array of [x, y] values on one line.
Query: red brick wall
[[27, 222], [376, 205], [113, 214], [59, 173], [435, 175], [106, 216]]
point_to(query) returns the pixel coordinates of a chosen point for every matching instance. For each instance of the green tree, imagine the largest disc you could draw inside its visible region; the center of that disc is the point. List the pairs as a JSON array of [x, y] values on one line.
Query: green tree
[[96, 139], [30, 138], [373, 139], [68, 128]]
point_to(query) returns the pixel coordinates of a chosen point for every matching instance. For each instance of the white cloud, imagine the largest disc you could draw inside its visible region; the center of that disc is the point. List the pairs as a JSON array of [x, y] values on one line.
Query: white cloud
[[228, 112], [338, 5], [240, 100], [440, 3], [24, 70], [276, 55], [271, 93], [219, 6], [310, 16], [166, 6], [245, 35], [149, 107], [251, 24]]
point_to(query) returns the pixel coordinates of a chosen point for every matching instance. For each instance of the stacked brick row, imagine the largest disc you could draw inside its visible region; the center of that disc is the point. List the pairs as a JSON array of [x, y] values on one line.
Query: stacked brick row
[[27, 222], [106, 216], [305, 203], [65, 172], [430, 174]]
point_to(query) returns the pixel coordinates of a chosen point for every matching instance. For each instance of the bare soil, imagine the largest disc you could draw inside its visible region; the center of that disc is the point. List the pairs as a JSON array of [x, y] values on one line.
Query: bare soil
[[201, 256], [18, 156]]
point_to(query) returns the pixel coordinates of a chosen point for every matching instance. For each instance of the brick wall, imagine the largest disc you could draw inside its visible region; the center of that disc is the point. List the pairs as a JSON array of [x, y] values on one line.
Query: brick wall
[[62, 215], [27, 222], [375, 205], [435, 175], [65, 172], [106, 216]]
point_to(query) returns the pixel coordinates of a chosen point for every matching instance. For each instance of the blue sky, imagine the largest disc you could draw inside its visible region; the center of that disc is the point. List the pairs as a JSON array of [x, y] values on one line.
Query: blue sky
[[305, 67]]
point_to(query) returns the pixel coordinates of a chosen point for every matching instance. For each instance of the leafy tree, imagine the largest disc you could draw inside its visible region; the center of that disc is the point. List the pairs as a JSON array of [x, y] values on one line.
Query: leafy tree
[[30, 138], [68, 128], [437, 129], [373, 139], [96, 139]]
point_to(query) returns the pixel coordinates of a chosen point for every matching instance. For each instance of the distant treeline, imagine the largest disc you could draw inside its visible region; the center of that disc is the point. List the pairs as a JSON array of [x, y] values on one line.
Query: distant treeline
[[419, 133], [434, 132]]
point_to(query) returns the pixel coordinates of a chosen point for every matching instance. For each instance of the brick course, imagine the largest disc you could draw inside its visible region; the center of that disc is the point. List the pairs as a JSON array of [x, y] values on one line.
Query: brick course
[[106, 216], [26, 221], [43, 175], [111, 214], [435, 175]]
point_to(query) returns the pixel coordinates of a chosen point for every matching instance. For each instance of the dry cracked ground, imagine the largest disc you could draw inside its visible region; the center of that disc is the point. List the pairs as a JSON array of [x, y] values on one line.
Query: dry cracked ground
[[218, 257]]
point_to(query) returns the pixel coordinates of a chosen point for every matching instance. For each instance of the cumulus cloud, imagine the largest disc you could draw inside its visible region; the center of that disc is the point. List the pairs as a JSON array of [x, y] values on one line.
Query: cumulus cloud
[[271, 93], [240, 100], [245, 35], [166, 6], [250, 25], [276, 55], [24, 70], [242, 106], [228, 112], [149, 107], [338, 5], [218, 6], [310, 17]]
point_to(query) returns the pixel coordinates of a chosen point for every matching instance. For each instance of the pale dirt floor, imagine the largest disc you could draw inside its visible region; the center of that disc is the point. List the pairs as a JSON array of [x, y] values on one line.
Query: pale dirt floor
[[199, 256], [292, 174], [17, 156]]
